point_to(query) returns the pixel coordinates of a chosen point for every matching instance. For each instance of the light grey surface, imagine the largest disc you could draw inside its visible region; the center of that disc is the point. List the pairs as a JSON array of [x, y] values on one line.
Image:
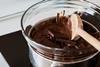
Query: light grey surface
[[3, 62], [10, 14], [8, 7]]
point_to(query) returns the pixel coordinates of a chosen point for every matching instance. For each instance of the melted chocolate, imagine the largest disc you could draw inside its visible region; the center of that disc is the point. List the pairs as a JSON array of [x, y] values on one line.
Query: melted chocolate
[[55, 33]]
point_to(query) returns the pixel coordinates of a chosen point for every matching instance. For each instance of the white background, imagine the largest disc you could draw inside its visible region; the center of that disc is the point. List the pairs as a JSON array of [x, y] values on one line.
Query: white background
[[8, 7]]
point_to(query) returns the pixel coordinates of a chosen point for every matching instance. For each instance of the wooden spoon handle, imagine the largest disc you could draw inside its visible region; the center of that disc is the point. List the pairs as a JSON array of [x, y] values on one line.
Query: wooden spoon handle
[[90, 39]]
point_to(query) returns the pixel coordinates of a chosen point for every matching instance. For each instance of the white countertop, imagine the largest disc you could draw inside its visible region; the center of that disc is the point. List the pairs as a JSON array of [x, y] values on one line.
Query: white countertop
[[8, 23], [3, 62], [8, 7]]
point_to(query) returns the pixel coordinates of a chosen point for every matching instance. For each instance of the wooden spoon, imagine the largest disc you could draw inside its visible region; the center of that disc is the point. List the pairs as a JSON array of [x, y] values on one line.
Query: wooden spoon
[[77, 30]]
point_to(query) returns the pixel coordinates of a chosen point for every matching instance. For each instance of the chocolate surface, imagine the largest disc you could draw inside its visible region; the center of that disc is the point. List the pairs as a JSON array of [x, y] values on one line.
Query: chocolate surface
[[55, 33]]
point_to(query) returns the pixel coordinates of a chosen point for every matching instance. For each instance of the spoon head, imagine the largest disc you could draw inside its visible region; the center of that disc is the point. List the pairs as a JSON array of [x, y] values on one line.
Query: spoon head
[[76, 23]]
